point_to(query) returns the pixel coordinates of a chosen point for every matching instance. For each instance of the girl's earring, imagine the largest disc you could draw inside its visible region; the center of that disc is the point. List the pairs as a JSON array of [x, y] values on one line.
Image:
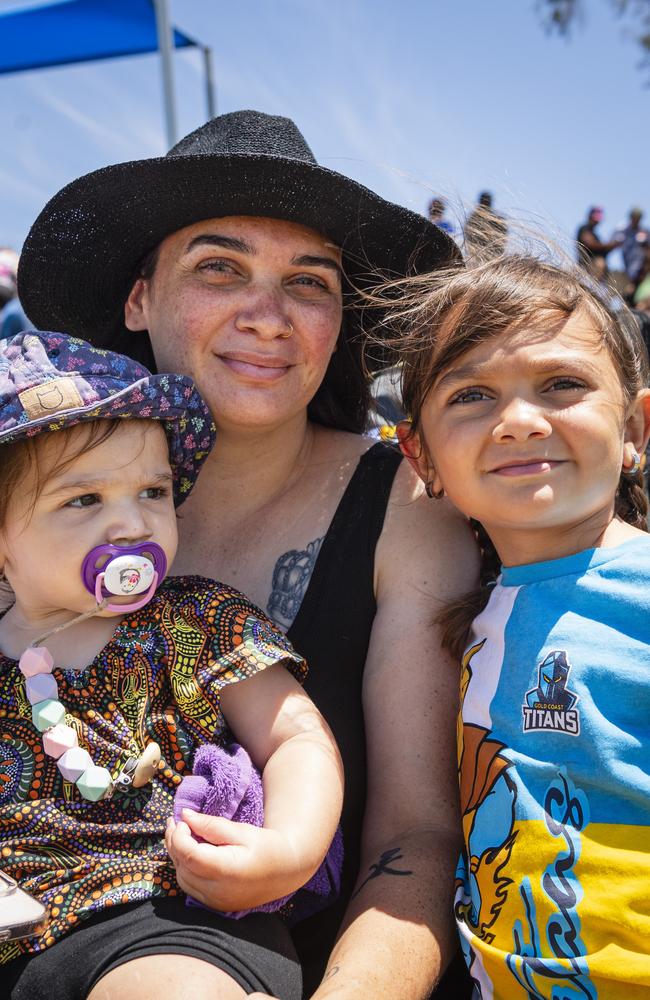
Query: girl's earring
[[431, 493], [631, 470]]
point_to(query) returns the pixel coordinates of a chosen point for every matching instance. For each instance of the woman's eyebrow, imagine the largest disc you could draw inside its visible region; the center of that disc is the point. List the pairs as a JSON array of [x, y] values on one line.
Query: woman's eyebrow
[[241, 246], [217, 240], [311, 260]]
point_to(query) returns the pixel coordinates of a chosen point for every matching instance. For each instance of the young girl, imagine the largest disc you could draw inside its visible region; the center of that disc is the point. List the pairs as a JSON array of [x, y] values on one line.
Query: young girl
[[112, 675], [529, 410]]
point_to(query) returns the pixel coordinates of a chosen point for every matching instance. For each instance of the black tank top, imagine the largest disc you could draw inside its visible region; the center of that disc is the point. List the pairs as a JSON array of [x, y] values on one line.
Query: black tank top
[[332, 631]]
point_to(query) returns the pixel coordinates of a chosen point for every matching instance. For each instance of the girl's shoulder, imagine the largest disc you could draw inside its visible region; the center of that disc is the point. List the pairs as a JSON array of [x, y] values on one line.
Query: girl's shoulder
[[630, 559]]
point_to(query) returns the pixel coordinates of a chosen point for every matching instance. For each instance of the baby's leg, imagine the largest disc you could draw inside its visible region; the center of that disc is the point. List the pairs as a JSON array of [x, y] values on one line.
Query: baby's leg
[[174, 977]]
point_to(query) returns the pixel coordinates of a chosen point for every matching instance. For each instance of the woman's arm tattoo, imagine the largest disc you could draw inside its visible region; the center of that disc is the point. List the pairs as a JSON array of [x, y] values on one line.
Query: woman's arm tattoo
[[383, 867], [291, 578]]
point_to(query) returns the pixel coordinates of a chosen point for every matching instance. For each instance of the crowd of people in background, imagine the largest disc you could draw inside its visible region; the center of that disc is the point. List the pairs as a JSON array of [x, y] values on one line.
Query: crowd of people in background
[[486, 230]]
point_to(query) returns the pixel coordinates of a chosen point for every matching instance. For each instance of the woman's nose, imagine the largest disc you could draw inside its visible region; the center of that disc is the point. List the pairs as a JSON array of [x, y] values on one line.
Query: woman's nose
[[521, 419], [265, 314]]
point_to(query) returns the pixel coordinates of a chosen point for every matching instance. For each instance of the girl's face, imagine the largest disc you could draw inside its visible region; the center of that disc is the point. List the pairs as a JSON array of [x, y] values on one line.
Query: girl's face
[[526, 434], [251, 308], [118, 491]]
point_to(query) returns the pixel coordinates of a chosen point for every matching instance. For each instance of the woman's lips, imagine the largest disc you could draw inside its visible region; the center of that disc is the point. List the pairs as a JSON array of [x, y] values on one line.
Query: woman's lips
[[259, 369], [529, 467]]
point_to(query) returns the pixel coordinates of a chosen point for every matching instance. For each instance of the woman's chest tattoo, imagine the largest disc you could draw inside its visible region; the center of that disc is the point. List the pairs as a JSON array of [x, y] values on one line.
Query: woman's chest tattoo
[[291, 576]]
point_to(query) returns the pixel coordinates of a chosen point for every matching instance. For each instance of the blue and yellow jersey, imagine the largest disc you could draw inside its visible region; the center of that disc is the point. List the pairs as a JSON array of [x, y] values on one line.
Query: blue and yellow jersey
[[553, 887]]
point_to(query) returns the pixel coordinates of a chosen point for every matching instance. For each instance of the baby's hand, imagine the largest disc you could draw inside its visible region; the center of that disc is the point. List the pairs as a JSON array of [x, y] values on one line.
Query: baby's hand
[[237, 866]]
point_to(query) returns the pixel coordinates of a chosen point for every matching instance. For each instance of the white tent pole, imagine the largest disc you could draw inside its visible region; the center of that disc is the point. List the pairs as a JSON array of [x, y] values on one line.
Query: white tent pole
[[209, 82], [165, 44]]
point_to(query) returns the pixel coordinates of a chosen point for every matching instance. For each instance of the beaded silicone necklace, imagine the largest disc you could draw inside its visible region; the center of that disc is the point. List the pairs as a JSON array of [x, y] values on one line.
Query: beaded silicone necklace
[[106, 570]]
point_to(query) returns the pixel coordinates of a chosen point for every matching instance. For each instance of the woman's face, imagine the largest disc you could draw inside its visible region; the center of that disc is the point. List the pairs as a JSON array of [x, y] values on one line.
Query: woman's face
[[250, 308]]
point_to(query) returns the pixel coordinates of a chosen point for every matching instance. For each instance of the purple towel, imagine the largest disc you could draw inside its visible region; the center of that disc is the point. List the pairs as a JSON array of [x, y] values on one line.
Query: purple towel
[[225, 783]]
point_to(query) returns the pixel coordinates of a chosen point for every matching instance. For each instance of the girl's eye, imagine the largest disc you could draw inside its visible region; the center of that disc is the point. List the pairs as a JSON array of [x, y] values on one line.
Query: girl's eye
[[566, 382], [473, 394], [154, 493], [86, 500]]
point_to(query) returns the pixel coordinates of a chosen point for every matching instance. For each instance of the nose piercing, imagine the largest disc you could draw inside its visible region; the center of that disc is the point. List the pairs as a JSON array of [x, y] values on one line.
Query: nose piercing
[[285, 336]]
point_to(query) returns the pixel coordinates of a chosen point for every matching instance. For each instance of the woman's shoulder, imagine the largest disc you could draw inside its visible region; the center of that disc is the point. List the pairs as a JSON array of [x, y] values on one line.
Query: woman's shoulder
[[330, 443], [433, 532], [347, 451], [425, 543]]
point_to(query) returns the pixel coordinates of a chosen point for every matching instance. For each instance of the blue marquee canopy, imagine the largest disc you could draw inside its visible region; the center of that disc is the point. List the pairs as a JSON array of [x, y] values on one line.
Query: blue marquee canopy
[[72, 31]]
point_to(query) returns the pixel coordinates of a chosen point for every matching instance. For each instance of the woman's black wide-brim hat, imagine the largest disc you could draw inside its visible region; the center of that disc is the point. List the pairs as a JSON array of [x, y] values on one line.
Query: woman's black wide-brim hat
[[82, 254]]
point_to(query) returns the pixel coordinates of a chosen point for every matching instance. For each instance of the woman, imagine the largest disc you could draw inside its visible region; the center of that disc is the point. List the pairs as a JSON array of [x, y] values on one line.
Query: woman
[[235, 253]]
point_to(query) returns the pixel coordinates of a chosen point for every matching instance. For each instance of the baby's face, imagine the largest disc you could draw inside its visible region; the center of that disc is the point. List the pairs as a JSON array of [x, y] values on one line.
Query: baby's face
[[117, 492]]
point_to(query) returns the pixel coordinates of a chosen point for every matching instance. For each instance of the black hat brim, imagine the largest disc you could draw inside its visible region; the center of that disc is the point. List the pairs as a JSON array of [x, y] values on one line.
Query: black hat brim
[[81, 256]]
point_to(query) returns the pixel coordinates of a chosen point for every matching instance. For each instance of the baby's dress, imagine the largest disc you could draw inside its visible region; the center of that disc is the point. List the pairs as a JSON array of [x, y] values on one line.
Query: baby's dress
[[158, 679]]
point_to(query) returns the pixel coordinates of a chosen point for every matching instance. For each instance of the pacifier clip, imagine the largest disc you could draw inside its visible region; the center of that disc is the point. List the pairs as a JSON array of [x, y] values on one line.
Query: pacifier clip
[[107, 570]]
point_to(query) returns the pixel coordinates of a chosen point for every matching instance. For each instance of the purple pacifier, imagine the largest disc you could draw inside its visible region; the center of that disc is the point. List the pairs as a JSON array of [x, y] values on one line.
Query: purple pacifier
[[124, 570]]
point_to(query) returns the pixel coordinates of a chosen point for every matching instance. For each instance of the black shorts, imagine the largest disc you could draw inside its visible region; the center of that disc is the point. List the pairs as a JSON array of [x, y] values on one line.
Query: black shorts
[[255, 951]]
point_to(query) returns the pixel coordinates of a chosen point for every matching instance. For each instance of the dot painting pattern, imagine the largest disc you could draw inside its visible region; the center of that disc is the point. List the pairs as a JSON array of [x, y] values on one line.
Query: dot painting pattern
[[159, 678]]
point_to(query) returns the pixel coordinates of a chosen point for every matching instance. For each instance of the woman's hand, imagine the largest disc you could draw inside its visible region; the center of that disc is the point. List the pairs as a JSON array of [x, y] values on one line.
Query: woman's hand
[[236, 867]]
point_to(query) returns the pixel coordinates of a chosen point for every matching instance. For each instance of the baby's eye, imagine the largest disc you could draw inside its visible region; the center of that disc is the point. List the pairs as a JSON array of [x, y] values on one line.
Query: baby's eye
[[472, 394], [85, 500]]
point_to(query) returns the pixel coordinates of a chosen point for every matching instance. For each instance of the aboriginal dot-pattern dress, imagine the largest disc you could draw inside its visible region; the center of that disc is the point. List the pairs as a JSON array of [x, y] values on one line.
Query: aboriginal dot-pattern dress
[[159, 678]]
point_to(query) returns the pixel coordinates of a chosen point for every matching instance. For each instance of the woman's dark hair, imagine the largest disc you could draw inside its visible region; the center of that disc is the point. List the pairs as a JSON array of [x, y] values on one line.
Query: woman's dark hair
[[436, 318]]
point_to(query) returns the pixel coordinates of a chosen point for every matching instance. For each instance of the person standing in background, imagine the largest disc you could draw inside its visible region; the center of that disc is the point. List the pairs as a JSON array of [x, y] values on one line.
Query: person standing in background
[[486, 230], [634, 241], [12, 317], [437, 208], [589, 246]]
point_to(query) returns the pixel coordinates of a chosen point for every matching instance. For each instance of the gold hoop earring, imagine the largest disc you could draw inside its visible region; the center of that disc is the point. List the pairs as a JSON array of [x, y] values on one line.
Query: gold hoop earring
[[431, 493], [289, 333], [636, 464]]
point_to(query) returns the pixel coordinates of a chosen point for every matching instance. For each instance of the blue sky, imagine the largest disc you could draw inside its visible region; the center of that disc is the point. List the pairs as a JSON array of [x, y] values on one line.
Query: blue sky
[[411, 97]]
